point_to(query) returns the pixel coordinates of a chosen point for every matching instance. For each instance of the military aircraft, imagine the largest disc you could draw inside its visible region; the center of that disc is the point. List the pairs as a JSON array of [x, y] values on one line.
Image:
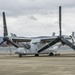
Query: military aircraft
[[37, 45]]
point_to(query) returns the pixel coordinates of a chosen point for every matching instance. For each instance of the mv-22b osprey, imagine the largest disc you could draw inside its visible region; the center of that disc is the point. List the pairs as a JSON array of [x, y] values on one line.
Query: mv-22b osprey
[[38, 45]]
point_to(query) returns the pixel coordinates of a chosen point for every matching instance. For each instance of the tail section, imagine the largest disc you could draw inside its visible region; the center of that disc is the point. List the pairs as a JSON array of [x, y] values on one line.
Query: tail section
[[73, 37], [73, 34], [53, 34], [13, 35]]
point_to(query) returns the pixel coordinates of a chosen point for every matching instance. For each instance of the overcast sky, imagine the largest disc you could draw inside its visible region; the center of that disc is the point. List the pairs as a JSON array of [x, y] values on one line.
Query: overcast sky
[[37, 17]]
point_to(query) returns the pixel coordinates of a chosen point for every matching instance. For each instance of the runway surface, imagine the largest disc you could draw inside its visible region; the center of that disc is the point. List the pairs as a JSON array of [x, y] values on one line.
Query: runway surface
[[42, 65]]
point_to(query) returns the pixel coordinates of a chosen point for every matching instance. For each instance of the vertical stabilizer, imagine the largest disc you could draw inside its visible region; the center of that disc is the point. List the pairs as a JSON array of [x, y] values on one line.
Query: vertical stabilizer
[[13, 35], [73, 34], [53, 34]]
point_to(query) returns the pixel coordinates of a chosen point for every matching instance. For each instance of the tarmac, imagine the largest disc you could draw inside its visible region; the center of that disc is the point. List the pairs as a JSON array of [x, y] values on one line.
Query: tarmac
[[63, 64]]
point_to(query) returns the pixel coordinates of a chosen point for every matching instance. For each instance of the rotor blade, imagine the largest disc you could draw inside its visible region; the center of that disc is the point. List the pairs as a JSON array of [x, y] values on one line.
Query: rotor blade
[[13, 44], [68, 43], [60, 20], [4, 25], [49, 45], [2, 42]]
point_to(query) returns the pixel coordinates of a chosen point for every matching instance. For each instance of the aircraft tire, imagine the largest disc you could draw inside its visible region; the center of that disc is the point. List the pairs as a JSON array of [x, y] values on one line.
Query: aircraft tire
[[36, 54], [20, 55], [51, 54]]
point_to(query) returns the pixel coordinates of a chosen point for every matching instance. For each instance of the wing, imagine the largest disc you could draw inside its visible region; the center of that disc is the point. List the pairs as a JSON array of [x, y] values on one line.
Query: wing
[[20, 39], [51, 38], [48, 39]]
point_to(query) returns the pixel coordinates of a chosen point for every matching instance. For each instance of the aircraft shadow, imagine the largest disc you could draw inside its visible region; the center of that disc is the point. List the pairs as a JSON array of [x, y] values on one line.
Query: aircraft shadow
[[56, 56]]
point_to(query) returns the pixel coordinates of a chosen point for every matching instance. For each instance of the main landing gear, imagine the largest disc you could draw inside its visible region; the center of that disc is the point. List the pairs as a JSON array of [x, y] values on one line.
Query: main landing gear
[[20, 55], [36, 54], [51, 54]]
